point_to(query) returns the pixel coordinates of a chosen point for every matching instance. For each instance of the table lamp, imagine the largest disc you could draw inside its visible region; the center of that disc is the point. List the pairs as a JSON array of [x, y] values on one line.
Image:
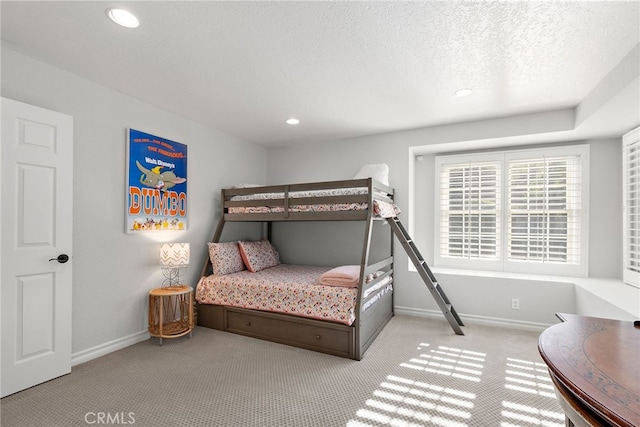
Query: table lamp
[[174, 258]]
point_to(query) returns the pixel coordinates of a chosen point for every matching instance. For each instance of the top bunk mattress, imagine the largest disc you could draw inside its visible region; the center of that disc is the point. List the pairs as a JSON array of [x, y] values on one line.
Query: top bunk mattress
[[256, 200]]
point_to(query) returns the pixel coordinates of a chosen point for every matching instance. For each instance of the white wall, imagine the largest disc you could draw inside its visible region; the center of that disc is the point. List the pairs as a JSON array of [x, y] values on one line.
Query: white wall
[[605, 229], [113, 271], [609, 111], [605, 222], [483, 298]]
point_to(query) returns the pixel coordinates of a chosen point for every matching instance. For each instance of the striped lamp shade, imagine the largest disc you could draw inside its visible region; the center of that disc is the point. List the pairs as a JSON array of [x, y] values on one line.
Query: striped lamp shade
[[174, 254]]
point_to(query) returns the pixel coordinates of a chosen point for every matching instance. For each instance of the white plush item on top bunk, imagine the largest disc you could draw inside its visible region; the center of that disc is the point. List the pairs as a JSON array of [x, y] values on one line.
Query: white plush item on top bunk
[[377, 171]]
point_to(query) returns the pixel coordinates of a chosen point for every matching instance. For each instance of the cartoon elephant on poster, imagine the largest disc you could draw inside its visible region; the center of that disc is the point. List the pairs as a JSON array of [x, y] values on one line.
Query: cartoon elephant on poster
[[162, 181]]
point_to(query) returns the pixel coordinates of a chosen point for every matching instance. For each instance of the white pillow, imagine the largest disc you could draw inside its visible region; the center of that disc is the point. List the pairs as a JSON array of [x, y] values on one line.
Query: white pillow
[[378, 171]]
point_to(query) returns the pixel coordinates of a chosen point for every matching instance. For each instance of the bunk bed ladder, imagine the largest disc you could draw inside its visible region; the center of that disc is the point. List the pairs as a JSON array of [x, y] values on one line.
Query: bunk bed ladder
[[427, 275]]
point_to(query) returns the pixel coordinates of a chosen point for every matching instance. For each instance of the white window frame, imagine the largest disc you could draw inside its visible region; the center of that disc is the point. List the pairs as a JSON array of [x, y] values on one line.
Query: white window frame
[[502, 263], [631, 205], [442, 260]]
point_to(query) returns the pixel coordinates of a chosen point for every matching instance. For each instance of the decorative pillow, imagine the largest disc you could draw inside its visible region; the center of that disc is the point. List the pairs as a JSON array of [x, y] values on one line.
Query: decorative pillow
[[378, 171], [225, 258], [258, 255]]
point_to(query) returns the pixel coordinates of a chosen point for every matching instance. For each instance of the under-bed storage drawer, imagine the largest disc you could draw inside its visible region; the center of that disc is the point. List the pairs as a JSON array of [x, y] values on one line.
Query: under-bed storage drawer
[[328, 338]]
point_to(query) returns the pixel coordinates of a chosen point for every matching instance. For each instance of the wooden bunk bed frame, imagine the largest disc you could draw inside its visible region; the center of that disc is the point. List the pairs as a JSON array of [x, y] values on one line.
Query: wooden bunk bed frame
[[317, 335]]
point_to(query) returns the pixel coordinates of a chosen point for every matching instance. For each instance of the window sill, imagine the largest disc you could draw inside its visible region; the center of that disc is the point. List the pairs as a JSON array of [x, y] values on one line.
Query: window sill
[[613, 291]]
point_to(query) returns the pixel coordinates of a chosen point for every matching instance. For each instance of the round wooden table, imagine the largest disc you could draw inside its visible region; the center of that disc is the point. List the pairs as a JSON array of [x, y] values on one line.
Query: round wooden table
[[595, 367], [171, 312]]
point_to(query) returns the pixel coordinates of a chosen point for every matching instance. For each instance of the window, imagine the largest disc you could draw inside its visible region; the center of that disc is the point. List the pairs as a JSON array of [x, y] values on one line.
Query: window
[[631, 200], [470, 209], [545, 209], [519, 211]]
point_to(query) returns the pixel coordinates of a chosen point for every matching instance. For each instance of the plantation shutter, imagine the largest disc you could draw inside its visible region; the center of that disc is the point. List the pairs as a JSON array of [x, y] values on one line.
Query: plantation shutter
[[521, 211], [544, 210], [631, 200], [470, 210]]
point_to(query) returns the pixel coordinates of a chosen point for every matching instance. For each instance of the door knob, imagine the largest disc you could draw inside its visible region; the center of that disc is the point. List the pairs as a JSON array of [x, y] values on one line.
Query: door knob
[[62, 258]]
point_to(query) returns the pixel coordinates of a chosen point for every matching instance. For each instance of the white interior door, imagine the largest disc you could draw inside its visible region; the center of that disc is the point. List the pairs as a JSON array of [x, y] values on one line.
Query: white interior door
[[36, 230]]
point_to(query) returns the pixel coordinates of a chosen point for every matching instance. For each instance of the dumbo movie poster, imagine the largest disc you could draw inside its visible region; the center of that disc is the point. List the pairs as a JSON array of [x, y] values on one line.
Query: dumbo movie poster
[[156, 183]]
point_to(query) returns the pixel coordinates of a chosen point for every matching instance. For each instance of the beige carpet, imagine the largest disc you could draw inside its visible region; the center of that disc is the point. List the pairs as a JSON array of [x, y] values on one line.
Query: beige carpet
[[417, 373]]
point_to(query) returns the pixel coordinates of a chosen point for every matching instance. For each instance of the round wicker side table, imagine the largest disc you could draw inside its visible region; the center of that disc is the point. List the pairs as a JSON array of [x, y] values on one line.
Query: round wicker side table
[[171, 312]]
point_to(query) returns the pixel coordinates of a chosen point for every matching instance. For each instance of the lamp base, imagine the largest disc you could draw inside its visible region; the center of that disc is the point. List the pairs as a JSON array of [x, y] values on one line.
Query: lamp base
[[172, 276]]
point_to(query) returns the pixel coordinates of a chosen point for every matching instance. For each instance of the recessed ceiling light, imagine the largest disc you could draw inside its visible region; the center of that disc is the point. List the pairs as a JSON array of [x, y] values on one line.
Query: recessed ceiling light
[[123, 17], [461, 93], [292, 121]]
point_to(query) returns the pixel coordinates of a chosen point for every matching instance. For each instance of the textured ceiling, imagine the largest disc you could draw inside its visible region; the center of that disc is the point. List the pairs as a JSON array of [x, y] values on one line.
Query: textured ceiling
[[343, 68]]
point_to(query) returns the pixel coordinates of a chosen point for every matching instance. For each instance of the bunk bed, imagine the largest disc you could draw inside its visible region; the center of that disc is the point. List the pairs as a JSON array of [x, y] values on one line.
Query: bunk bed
[[366, 304]]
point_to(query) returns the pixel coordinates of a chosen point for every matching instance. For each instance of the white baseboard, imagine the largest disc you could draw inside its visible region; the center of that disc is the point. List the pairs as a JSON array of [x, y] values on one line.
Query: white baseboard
[[120, 343], [474, 319], [108, 347]]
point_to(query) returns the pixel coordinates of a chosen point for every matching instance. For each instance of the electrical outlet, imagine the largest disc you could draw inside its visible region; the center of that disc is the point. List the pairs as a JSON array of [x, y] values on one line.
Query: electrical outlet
[[515, 304]]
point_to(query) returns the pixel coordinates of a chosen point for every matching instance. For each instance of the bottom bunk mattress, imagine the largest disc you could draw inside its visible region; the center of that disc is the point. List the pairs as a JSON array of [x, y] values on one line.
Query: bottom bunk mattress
[[291, 289], [284, 288]]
